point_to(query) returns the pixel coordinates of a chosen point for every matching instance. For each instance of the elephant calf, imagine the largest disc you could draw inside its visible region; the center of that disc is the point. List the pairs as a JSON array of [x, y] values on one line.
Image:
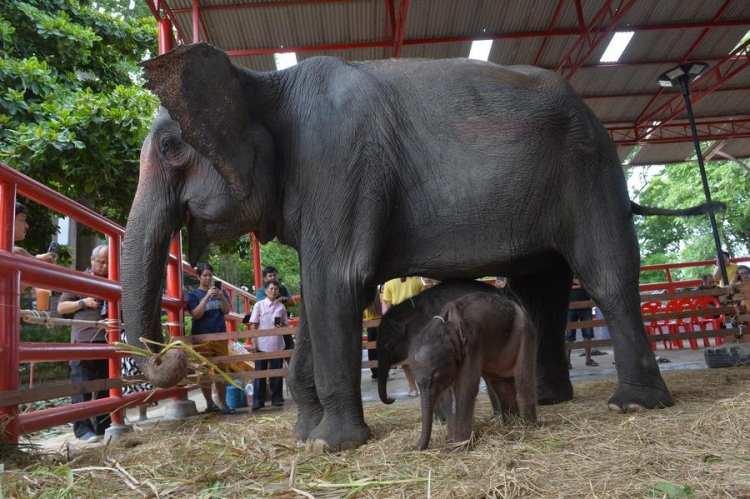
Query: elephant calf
[[478, 335]]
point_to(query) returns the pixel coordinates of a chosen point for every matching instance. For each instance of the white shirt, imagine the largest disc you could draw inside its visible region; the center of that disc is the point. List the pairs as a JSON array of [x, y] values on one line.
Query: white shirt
[[264, 313]]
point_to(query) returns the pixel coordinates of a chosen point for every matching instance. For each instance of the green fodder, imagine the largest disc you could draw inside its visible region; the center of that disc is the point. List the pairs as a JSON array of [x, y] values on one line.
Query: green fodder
[[700, 447]]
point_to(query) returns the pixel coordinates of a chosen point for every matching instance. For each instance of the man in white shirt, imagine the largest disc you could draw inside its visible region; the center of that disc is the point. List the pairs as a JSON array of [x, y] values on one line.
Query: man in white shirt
[[267, 314]]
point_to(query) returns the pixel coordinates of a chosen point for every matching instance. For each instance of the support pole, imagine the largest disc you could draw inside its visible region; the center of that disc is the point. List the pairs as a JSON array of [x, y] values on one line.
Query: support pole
[[166, 38], [113, 314], [10, 283], [256, 262], [685, 85]]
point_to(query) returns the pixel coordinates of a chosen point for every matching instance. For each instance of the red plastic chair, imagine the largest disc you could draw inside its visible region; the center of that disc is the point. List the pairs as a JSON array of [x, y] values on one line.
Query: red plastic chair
[[682, 324], [654, 327], [706, 303]]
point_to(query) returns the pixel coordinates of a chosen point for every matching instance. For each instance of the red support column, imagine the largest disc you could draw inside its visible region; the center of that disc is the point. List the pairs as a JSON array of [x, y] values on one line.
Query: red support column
[[196, 13], [10, 282], [166, 39], [175, 315], [256, 262], [113, 314]]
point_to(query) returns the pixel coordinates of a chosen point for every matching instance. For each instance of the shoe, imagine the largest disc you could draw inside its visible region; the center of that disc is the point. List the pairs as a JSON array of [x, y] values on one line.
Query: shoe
[[592, 363], [211, 408], [89, 437], [278, 403]]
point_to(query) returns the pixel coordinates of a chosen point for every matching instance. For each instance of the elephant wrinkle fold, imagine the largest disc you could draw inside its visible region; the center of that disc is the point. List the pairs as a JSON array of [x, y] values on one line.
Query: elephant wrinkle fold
[[373, 170]]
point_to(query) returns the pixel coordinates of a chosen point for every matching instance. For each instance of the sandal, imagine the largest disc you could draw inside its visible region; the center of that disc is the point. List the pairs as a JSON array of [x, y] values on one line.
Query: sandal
[[226, 411], [211, 408], [592, 363]]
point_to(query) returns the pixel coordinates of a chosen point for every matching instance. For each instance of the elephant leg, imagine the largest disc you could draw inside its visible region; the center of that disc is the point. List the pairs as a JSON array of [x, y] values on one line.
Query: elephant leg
[[444, 406], [494, 398], [506, 393], [465, 392], [335, 322], [301, 382], [545, 296], [609, 270]]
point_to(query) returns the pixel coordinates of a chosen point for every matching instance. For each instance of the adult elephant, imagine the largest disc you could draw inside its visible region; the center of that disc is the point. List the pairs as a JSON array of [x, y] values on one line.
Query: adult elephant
[[441, 168]]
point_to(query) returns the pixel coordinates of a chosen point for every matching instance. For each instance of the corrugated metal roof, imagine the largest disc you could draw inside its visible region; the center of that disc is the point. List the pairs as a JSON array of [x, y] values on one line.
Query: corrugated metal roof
[[618, 93]]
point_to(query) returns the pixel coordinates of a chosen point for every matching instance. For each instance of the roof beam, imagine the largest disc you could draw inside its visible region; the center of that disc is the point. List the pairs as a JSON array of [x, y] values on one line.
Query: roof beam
[[708, 129], [262, 5], [603, 22], [651, 94], [552, 22], [391, 10], [685, 57], [244, 52]]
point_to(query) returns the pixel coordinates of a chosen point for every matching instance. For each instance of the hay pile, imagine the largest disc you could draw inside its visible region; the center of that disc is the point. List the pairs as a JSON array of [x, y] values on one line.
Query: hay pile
[[699, 447]]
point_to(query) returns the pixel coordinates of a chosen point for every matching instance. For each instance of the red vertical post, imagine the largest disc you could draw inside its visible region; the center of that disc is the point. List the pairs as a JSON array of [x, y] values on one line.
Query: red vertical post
[[166, 39], [256, 262], [174, 285], [10, 283], [113, 314], [196, 21]]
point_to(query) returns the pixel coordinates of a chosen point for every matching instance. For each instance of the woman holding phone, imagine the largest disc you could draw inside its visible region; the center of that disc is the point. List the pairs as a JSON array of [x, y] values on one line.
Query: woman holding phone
[[267, 314], [208, 305]]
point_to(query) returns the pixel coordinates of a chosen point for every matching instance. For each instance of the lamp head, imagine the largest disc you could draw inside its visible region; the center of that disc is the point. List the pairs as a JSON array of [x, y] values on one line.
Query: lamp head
[[673, 76]]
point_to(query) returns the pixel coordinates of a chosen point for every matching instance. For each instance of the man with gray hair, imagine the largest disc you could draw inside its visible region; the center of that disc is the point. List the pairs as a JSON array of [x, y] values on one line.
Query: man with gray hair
[[88, 308]]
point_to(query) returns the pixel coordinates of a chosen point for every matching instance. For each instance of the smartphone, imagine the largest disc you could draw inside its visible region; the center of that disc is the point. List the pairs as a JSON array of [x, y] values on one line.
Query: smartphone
[[54, 247], [217, 284], [277, 322]]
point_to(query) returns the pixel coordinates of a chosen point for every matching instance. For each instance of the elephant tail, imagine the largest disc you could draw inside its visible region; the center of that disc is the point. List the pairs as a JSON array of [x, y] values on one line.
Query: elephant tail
[[701, 209]]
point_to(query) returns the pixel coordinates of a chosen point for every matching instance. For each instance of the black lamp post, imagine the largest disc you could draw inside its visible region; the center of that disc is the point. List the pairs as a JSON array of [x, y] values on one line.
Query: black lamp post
[[681, 76]]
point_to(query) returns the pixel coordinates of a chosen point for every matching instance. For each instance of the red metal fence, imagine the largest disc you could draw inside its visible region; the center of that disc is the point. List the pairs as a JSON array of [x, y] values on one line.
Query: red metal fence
[[15, 268]]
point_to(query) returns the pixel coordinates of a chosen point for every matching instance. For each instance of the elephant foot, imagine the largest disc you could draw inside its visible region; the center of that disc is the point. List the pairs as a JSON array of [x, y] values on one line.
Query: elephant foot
[[308, 417], [336, 433], [554, 390], [631, 397]]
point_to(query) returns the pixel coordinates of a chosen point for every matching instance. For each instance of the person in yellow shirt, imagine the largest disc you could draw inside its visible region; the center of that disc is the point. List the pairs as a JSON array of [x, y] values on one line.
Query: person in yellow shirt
[[731, 269], [396, 291]]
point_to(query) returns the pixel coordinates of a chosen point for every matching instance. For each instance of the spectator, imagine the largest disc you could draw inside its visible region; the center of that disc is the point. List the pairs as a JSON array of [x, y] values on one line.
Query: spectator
[[578, 293], [371, 313], [88, 308], [208, 305], [268, 313], [731, 269], [742, 275], [707, 282], [271, 274], [20, 228], [396, 291]]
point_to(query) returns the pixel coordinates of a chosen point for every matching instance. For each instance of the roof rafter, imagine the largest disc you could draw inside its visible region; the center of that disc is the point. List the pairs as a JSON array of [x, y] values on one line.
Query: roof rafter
[[720, 128], [552, 23], [398, 36], [603, 22]]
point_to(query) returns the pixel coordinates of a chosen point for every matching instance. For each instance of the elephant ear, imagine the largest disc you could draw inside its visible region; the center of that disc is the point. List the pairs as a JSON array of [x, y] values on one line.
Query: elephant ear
[[210, 98]]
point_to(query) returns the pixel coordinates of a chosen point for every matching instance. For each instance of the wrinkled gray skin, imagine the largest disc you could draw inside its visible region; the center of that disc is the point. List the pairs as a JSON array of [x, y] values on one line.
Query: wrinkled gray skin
[[372, 170], [402, 323], [480, 334]]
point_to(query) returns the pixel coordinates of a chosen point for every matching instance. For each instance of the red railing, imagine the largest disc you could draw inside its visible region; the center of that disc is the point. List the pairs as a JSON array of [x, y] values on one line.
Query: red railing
[[669, 283], [15, 268]]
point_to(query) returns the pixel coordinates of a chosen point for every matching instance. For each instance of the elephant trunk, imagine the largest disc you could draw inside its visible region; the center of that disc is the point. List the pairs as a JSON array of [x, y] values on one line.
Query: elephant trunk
[[384, 367], [427, 403], [151, 224]]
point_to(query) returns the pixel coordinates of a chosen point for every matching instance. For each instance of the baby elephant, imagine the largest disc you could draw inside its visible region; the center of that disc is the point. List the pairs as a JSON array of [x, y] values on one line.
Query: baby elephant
[[478, 335]]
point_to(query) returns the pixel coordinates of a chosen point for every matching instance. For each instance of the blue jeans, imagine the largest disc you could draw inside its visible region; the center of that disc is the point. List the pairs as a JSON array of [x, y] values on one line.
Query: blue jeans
[[88, 370], [259, 385]]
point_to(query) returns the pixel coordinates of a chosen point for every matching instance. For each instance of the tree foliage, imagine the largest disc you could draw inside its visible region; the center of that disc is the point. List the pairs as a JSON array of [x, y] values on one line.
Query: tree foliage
[[690, 238], [72, 114]]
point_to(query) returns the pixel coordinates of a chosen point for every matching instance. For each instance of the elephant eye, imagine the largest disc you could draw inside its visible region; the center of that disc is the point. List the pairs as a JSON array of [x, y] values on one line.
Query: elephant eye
[[172, 150]]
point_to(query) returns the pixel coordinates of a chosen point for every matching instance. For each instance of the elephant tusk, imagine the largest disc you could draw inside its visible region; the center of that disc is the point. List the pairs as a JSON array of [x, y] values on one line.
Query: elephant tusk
[[439, 318]]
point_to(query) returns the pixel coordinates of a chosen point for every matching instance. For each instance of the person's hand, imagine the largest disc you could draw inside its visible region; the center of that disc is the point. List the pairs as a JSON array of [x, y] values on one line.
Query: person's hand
[[91, 302], [47, 257], [212, 292]]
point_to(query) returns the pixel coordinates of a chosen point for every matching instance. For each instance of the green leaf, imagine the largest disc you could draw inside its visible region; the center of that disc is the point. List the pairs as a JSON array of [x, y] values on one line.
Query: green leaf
[[670, 490]]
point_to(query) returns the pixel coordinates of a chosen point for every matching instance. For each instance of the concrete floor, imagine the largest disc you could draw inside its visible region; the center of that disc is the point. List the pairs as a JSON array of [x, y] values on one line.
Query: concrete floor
[[61, 438]]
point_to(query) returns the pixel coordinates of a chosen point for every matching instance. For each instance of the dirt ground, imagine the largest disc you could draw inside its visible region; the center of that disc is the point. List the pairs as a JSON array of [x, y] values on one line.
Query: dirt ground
[[700, 447]]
